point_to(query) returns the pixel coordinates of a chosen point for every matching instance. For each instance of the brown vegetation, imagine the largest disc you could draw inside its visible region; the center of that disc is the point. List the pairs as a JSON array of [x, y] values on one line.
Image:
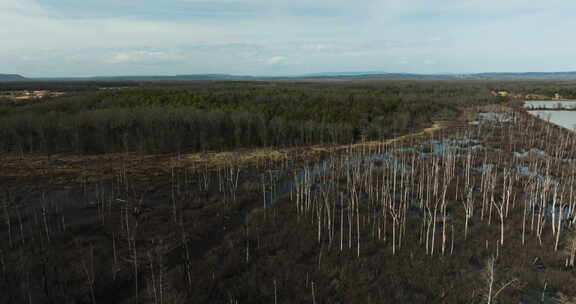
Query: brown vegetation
[[448, 215]]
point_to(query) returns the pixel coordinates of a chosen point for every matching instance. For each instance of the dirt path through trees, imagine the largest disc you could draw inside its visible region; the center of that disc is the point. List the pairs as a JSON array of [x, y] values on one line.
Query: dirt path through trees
[[252, 156], [66, 168]]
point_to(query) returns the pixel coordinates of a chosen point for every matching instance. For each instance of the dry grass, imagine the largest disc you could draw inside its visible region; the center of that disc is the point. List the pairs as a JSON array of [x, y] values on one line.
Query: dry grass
[[65, 168], [435, 127], [251, 156], [212, 159]]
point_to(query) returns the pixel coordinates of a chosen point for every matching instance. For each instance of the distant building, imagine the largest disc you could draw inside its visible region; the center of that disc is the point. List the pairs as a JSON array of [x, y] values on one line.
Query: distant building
[[500, 93], [536, 97], [40, 94], [26, 95], [557, 96]]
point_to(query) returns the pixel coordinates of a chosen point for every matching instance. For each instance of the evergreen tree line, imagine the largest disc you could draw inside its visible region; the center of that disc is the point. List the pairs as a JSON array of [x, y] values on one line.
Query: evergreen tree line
[[226, 117], [566, 89], [156, 129]]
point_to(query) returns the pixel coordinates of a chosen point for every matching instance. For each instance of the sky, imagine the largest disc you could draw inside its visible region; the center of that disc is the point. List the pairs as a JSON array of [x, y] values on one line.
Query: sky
[[71, 38]]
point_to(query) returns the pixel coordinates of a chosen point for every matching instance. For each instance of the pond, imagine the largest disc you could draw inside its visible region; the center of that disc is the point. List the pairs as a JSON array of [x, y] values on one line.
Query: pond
[[550, 104], [566, 119]]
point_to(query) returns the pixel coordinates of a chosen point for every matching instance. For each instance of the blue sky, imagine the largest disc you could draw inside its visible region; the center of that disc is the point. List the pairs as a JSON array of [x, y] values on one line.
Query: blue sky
[[41, 38]]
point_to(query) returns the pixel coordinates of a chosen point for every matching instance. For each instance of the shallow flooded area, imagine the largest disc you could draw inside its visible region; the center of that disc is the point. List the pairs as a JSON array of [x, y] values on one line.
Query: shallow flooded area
[[566, 119], [550, 104]]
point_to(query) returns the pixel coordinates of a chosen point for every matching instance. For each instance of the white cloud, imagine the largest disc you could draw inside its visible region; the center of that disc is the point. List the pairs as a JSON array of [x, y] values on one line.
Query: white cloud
[[276, 59], [145, 57], [470, 35], [20, 7], [283, 3], [317, 47], [407, 6]]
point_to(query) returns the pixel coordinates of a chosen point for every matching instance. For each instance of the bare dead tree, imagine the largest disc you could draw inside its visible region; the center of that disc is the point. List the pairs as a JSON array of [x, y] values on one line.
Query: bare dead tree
[[492, 286], [570, 250], [88, 267], [8, 221], [468, 204]]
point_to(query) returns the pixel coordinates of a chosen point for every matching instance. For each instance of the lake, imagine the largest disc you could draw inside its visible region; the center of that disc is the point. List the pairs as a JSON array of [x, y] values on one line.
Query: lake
[[550, 104], [566, 119]]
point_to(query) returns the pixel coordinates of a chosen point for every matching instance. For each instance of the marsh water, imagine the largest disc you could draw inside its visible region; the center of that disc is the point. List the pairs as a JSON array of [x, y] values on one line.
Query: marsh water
[[550, 104], [566, 119]]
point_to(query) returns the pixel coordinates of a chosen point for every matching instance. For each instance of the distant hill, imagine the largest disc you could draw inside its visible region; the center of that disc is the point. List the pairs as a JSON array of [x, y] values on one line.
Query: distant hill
[[11, 77], [351, 75], [375, 75], [319, 76], [172, 78], [408, 76], [528, 75]]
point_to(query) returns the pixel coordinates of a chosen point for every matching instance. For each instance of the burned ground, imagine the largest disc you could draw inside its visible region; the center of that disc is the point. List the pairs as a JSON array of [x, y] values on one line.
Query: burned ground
[[369, 223]]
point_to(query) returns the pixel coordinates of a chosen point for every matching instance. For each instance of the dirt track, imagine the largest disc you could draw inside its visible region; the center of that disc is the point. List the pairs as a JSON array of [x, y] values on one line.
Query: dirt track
[[251, 156], [66, 168]]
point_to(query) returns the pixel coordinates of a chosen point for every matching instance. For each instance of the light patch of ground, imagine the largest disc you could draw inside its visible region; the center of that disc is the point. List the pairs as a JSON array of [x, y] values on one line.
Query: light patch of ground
[[435, 127], [252, 156], [63, 168], [248, 156]]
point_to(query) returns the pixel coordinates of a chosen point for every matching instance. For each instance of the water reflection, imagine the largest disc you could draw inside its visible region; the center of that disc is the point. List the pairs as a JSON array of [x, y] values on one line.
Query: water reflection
[[566, 119], [550, 104]]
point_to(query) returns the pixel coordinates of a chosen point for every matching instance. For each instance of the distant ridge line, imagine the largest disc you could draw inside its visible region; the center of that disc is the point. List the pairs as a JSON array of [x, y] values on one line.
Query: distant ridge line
[[329, 75], [11, 77]]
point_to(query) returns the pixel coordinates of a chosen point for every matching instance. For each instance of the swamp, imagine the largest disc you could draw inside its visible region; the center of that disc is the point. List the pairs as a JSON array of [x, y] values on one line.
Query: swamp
[[286, 192]]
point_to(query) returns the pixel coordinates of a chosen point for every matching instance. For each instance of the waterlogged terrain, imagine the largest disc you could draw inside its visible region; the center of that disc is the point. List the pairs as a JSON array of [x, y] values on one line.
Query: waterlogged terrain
[[566, 119], [430, 208], [445, 216], [550, 104]]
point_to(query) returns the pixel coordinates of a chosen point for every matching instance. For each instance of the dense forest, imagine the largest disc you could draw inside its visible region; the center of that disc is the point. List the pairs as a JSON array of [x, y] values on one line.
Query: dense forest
[[479, 209], [566, 89], [227, 116]]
